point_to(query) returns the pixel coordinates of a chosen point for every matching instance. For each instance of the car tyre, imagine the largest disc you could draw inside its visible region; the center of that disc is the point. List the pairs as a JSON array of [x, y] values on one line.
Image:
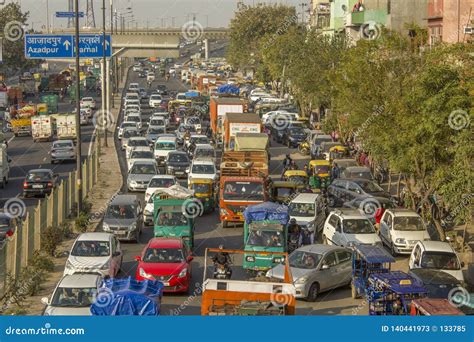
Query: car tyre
[[313, 292], [2, 184], [137, 236], [225, 224], [392, 250]]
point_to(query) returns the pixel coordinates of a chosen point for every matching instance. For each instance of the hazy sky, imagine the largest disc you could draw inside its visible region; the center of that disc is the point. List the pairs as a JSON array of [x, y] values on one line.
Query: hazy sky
[[215, 13]]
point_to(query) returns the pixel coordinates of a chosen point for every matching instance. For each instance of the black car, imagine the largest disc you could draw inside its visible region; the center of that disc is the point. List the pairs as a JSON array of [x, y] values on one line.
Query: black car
[[161, 89], [7, 226], [39, 182], [277, 133], [177, 164], [142, 74], [343, 190], [438, 283], [293, 136]]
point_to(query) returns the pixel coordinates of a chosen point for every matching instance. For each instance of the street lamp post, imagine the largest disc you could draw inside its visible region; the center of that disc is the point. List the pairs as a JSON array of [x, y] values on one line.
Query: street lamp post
[[105, 106], [78, 115]]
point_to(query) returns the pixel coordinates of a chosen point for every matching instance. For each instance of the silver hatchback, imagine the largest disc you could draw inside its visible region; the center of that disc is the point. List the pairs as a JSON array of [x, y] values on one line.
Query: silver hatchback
[[317, 268]]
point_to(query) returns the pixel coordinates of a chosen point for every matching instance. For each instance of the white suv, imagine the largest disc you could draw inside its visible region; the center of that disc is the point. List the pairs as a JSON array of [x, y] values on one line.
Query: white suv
[[155, 100], [401, 229], [309, 211], [202, 169], [348, 227]]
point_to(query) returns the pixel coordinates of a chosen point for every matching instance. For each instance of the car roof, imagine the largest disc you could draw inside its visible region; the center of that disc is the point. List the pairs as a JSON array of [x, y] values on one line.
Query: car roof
[[123, 199], [79, 280], [178, 152], [166, 139], [163, 177], [94, 236], [138, 138], [63, 141], [203, 161], [204, 146], [403, 212], [40, 170], [358, 168], [348, 213], [320, 248], [437, 246], [305, 198], [165, 243]]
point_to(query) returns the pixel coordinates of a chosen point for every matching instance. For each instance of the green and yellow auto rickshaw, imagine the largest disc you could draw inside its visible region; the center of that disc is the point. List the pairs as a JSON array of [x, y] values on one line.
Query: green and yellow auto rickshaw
[[296, 176], [282, 191], [321, 174], [204, 191]]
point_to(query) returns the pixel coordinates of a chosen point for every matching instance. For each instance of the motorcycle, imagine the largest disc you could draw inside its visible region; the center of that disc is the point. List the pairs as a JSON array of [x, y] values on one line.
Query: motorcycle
[[303, 148], [293, 242], [306, 238], [222, 271]]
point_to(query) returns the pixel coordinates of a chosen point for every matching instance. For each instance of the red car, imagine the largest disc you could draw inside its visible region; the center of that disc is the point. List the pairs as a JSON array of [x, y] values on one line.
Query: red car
[[167, 260]]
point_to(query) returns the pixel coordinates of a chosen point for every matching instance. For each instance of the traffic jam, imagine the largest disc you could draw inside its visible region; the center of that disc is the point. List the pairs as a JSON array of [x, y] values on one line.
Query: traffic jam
[[298, 213]]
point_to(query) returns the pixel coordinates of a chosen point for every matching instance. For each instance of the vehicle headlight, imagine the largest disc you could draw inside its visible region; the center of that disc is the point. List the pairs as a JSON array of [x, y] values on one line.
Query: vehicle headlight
[[105, 226], [224, 212], [133, 182], [250, 258], [105, 266], [183, 273], [400, 241], [170, 167], [301, 280], [143, 274], [69, 264], [278, 259], [148, 212], [133, 227]]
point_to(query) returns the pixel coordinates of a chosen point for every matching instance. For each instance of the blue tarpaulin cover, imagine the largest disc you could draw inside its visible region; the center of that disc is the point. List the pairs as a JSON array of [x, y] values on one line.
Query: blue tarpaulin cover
[[191, 94], [128, 297], [267, 211], [228, 89]]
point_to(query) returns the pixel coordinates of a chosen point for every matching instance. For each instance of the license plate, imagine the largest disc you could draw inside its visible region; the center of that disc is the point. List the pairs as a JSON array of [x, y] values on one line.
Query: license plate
[[37, 186], [165, 283], [121, 233], [179, 172]]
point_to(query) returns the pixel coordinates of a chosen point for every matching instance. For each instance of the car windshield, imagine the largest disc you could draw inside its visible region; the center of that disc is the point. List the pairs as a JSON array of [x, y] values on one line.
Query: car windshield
[[168, 146], [370, 187], [130, 133], [141, 155], [133, 118], [200, 140], [157, 122], [201, 188], [143, 169], [161, 183], [204, 153], [304, 260], [172, 219], [185, 128], [74, 297], [204, 169], [298, 179], [62, 145], [408, 223], [358, 226], [91, 249], [283, 191], [193, 121], [295, 131], [178, 158], [120, 212], [440, 261], [155, 97], [363, 174], [137, 143], [301, 209], [38, 176], [4, 221], [163, 255], [322, 169], [129, 124], [267, 238], [243, 191], [156, 130]]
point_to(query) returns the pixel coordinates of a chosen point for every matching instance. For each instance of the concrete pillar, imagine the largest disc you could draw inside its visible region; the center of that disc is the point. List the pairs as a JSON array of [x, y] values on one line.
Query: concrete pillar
[[37, 234], [206, 48], [25, 248]]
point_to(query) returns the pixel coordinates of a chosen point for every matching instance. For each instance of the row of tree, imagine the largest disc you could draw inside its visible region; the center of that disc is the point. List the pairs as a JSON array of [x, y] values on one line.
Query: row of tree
[[409, 106]]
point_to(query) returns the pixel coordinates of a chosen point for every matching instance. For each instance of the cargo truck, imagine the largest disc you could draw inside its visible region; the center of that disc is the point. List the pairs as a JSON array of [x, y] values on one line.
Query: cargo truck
[[66, 126], [239, 123], [218, 107], [41, 128], [242, 183]]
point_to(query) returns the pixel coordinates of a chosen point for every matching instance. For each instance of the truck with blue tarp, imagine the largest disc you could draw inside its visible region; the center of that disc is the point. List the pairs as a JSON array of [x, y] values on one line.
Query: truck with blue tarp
[[128, 297], [265, 230]]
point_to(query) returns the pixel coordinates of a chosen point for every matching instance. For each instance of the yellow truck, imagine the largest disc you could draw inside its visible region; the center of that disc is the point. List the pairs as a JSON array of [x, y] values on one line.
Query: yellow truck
[[21, 126]]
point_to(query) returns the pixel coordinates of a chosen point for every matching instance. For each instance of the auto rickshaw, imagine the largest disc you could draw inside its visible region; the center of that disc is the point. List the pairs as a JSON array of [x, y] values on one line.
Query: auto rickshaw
[[204, 190], [433, 307], [338, 152], [296, 176], [391, 293], [282, 191], [321, 174]]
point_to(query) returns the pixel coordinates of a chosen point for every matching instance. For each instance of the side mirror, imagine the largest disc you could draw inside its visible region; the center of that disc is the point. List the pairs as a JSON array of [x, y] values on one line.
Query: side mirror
[[45, 300], [325, 267], [189, 258], [138, 258], [116, 254], [462, 264]]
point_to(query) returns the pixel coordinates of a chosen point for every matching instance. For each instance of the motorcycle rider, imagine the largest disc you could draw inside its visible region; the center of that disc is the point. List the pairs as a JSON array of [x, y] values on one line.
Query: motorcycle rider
[[222, 259]]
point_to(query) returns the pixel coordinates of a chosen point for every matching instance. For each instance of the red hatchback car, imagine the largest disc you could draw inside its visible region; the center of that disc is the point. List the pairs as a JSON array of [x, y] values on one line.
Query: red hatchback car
[[167, 260]]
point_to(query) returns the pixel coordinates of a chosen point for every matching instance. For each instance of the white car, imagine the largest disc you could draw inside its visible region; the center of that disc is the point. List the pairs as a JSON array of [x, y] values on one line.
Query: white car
[[401, 229], [202, 169], [134, 86], [139, 154], [135, 142], [88, 102], [133, 104], [309, 211], [436, 255], [135, 117], [163, 146], [84, 118], [95, 252], [130, 97], [73, 296], [137, 68], [348, 227], [125, 125], [156, 183], [155, 100], [157, 121], [196, 139]]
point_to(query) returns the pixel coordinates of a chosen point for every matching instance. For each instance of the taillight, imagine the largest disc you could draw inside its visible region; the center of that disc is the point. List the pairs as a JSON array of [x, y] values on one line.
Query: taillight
[[25, 185], [50, 184]]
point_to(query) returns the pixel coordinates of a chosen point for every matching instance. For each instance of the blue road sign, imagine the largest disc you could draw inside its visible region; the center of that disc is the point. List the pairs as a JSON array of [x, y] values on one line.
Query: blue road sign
[[43, 46], [69, 14]]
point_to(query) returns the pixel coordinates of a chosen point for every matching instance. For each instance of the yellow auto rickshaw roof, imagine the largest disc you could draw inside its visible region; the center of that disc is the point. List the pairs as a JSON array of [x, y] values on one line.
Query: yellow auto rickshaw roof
[[200, 181], [338, 148], [290, 173], [319, 162]]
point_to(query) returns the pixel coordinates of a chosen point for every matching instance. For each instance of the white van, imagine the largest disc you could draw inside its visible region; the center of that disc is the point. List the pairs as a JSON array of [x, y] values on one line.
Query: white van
[[163, 146], [309, 211]]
